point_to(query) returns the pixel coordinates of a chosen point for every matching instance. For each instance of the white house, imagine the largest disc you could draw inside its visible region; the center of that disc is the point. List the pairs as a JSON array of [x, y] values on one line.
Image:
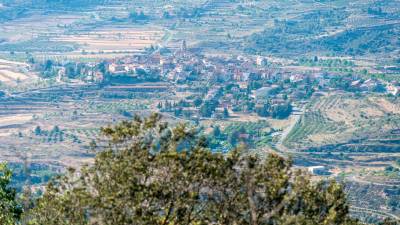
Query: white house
[[317, 170], [392, 89], [261, 61]]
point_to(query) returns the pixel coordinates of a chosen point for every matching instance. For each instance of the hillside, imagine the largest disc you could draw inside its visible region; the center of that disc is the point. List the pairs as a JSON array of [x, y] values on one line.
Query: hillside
[[315, 80]]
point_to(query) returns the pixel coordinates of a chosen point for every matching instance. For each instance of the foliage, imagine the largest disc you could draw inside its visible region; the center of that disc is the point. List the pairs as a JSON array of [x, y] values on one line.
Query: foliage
[[252, 134], [138, 16], [280, 111], [207, 109], [10, 210], [287, 37], [156, 174]]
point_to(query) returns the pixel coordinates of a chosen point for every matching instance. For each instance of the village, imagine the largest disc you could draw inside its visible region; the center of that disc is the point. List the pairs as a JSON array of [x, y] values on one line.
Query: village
[[216, 86]]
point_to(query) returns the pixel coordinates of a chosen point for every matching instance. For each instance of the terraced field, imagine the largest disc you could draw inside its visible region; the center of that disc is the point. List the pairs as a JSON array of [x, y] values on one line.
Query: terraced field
[[12, 73], [343, 118]]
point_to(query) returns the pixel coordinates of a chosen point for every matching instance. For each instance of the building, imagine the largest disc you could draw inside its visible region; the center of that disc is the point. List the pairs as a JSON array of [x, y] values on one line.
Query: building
[[369, 85], [61, 74], [295, 78], [261, 61], [393, 90], [115, 68], [317, 170]]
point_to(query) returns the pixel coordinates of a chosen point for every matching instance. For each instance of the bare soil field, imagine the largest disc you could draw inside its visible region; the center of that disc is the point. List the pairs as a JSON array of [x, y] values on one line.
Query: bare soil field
[[36, 25], [113, 39], [59, 132], [12, 73]]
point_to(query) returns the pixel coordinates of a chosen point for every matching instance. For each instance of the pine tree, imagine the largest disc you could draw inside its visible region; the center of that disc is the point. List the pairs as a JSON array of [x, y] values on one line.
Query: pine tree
[[153, 173], [10, 210]]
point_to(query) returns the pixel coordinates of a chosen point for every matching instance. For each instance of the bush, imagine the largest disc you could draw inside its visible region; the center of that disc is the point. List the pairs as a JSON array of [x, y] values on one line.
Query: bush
[[156, 174]]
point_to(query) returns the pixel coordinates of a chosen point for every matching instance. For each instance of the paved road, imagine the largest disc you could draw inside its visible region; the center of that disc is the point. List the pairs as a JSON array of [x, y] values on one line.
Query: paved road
[[287, 131]]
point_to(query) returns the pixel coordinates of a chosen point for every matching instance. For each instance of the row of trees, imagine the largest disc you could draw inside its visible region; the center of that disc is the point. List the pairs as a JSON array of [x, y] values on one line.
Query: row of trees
[[152, 173], [280, 111]]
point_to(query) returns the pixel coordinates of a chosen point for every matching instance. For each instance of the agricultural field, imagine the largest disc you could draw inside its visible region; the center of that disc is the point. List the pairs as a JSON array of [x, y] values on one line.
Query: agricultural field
[[105, 30], [54, 126], [76, 34], [340, 118], [50, 117], [353, 136], [13, 73]]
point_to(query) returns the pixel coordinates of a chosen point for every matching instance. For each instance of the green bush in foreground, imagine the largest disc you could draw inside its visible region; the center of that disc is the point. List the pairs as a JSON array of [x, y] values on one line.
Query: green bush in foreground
[[10, 210], [152, 173]]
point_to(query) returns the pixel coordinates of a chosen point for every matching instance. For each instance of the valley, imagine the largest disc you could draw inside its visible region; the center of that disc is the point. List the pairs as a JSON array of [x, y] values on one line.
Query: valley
[[318, 81]]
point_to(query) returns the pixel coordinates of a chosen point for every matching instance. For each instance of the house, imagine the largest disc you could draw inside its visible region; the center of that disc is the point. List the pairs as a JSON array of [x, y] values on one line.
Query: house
[[317, 170], [115, 68], [61, 74], [98, 77], [243, 85], [369, 85], [392, 89], [356, 83], [261, 61], [219, 113], [131, 67], [296, 78]]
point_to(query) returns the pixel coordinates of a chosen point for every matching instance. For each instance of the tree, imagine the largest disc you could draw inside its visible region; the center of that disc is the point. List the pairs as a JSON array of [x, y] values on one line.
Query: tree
[[156, 174], [159, 105], [56, 129], [388, 221], [137, 16], [207, 109], [38, 131], [217, 132], [166, 15], [263, 111], [197, 101], [233, 138], [10, 210], [226, 113], [281, 111], [48, 65]]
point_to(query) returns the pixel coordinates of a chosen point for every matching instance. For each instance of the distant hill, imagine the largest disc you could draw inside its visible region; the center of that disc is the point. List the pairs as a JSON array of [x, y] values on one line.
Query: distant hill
[[48, 3], [357, 41], [359, 28]]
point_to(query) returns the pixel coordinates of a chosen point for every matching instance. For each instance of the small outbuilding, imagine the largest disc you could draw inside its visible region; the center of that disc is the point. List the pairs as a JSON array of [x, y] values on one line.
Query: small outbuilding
[[318, 170]]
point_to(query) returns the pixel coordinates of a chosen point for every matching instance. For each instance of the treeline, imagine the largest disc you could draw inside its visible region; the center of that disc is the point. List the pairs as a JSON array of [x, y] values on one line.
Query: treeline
[[280, 111]]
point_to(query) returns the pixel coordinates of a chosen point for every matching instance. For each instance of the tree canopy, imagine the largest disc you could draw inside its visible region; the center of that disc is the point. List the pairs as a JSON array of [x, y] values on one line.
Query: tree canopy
[[10, 210], [154, 173]]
